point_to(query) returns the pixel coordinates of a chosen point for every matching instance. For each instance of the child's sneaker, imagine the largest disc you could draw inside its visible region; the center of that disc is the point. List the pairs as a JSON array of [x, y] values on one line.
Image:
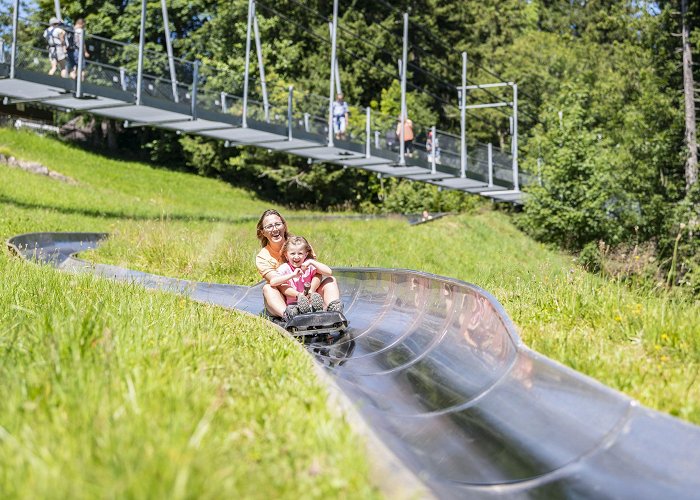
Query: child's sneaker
[[303, 304], [316, 302], [335, 306], [290, 312]]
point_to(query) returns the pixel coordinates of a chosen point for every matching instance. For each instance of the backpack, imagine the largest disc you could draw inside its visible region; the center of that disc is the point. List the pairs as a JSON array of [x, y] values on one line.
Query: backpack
[[48, 36], [70, 37]]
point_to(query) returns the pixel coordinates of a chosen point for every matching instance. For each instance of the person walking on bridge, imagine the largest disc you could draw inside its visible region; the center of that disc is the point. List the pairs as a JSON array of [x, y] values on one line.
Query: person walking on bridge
[[340, 116], [55, 37]]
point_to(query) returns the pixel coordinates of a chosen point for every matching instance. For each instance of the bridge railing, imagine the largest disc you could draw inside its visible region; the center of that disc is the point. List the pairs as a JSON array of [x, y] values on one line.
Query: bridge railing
[[114, 64]]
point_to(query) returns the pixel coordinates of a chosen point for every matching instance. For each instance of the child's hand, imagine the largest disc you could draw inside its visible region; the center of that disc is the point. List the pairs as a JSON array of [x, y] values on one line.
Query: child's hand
[[305, 265], [297, 271]]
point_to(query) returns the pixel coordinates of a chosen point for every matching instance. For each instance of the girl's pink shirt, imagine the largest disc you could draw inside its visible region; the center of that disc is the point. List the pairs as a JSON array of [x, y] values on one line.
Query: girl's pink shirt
[[297, 282]]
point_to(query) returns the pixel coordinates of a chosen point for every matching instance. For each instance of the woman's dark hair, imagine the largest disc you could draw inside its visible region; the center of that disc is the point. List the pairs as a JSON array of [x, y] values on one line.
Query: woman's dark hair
[[260, 232]]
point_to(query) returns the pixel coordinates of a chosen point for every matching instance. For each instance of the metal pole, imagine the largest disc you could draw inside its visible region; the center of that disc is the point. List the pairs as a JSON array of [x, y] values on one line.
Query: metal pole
[[247, 63], [514, 147], [57, 8], [433, 150], [289, 112], [261, 67], [15, 22], [142, 43], [490, 160], [2, 51], [193, 101], [368, 135], [81, 63], [338, 89], [169, 48], [224, 108], [122, 78], [404, 59], [463, 118], [333, 55]]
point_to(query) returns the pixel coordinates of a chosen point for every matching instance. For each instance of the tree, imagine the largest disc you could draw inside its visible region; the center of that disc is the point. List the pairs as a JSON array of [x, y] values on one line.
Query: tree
[[691, 162]]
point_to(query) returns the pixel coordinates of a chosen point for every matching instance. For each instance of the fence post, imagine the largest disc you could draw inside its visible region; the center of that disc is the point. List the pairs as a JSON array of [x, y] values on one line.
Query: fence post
[[246, 73], [195, 84], [81, 63], [490, 161], [334, 34], [169, 49], [142, 43], [15, 22], [289, 112], [368, 134], [433, 151], [463, 118], [261, 67], [404, 117], [122, 78], [514, 147]]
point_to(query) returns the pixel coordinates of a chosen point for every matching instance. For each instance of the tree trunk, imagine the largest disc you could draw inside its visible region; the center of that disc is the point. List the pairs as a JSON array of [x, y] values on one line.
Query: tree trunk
[[691, 162]]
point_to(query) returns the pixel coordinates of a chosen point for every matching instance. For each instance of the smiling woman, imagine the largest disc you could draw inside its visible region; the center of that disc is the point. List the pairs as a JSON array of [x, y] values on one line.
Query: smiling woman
[[273, 233]]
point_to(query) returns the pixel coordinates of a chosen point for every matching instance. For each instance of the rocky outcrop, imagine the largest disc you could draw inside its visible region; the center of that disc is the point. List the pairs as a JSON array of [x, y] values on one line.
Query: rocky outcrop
[[35, 168]]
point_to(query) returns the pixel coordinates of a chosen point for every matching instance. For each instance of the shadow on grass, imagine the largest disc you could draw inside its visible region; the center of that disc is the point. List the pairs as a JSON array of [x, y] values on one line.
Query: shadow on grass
[[109, 214]]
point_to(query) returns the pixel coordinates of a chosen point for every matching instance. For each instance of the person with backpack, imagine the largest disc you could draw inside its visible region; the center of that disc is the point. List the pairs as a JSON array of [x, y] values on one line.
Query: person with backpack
[[73, 41], [55, 37]]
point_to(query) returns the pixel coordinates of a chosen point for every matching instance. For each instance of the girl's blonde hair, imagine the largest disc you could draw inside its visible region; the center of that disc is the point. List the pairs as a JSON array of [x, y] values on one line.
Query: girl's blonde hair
[[261, 236], [297, 241]]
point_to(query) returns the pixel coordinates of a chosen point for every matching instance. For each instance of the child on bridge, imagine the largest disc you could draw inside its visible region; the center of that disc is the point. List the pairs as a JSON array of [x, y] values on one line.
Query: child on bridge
[[302, 274]]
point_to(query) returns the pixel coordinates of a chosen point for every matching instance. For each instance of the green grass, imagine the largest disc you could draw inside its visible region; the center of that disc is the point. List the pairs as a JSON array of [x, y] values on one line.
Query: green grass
[[644, 344], [109, 390]]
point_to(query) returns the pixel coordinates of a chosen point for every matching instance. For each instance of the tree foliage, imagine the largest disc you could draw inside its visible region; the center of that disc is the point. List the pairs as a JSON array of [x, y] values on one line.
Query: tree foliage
[[600, 97]]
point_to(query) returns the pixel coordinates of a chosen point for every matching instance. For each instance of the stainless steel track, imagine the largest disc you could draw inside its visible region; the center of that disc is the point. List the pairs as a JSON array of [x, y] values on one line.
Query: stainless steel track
[[436, 368]]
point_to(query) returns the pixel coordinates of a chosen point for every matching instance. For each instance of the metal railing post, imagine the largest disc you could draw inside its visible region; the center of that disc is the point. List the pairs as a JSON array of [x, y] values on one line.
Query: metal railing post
[[15, 22], [334, 33], [169, 49], [224, 108], [404, 59], [490, 163], [433, 151], [338, 89], [122, 78], [142, 43], [246, 74], [368, 134], [514, 147], [290, 102], [81, 64], [463, 118], [195, 84], [261, 67], [2, 51]]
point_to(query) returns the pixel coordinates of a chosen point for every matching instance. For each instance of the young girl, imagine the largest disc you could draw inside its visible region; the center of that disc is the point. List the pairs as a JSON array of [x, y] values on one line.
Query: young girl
[[301, 273]]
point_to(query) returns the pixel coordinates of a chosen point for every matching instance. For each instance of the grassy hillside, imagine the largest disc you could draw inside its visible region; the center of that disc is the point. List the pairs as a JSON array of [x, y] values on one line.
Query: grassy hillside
[[645, 345], [111, 390]]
